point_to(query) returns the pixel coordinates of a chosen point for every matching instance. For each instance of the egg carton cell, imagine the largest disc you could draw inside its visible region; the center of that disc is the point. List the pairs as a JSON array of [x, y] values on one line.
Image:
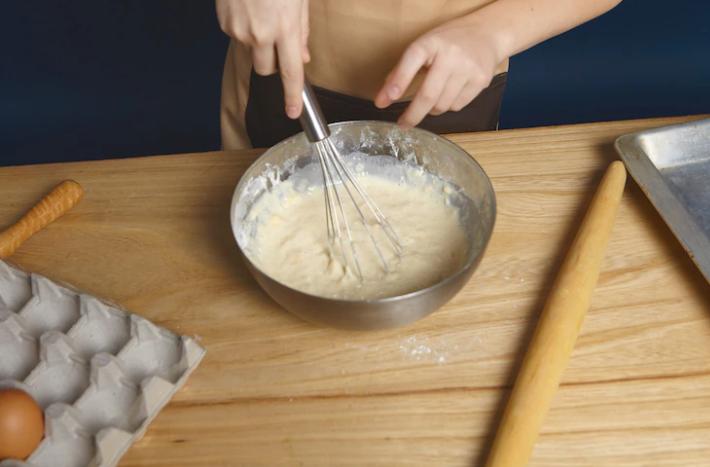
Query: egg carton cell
[[61, 375], [100, 374], [18, 348], [15, 288]]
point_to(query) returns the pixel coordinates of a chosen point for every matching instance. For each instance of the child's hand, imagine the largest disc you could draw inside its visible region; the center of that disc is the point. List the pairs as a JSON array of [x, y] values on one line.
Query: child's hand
[[460, 59], [277, 33]]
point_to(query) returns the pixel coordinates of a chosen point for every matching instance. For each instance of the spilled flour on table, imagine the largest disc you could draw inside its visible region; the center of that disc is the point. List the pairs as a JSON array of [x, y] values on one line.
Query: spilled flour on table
[[424, 349]]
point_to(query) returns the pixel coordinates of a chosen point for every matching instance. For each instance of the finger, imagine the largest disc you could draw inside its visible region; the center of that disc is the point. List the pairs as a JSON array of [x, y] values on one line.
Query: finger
[[427, 95], [399, 79], [305, 54], [304, 21], [468, 93], [291, 69], [264, 60], [452, 90]]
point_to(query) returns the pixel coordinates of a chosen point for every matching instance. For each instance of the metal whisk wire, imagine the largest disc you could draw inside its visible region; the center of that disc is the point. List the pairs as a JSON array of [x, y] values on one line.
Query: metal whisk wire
[[340, 184]]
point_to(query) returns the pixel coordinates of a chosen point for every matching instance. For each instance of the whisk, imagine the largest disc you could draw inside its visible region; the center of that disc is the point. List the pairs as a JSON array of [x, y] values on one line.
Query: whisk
[[339, 185]]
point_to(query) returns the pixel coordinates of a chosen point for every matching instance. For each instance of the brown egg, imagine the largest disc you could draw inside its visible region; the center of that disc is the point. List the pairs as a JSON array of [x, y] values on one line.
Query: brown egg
[[21, 424]]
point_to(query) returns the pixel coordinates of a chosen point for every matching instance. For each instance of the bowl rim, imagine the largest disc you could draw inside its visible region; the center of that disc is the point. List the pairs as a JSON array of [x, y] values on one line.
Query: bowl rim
[[472, 260]]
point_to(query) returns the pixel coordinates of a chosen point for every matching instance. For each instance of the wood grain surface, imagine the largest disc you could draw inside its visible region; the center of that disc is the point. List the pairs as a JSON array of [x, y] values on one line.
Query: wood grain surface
[[153, 235]]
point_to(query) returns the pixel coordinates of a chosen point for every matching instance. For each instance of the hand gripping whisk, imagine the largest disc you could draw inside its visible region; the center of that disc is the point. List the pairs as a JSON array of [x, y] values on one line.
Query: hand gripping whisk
[[339, 186]]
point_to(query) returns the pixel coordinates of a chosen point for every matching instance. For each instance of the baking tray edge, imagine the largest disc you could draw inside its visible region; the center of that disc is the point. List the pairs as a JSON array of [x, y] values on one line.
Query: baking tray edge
[[672, 210]]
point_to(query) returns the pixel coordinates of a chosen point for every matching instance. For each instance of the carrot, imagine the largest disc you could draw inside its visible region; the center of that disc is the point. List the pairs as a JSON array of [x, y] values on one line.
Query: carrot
[[57, 202]]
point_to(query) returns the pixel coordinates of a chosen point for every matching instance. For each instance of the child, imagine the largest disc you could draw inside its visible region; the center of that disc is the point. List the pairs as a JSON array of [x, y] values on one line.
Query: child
[[434, 63]]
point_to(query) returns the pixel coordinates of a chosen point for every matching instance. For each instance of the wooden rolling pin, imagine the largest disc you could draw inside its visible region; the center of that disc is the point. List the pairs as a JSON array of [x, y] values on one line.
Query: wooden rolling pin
[[57, 202], [558, 326]]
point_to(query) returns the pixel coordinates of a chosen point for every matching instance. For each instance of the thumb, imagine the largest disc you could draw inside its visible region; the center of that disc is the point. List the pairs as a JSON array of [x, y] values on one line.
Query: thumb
[[399, 79]]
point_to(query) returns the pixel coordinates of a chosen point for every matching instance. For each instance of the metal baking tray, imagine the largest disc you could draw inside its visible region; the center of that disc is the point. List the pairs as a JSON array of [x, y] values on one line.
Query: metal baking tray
[[672, 166]]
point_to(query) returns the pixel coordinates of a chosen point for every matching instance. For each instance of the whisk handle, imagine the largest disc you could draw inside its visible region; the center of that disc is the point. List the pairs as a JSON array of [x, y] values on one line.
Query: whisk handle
[[312, 120]]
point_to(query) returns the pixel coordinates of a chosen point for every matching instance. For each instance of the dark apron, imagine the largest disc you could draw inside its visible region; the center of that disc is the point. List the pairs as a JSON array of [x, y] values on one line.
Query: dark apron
[[267, 123]]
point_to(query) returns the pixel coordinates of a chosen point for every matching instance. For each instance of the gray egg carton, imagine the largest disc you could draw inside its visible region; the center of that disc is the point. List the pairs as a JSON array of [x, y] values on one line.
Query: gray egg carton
[[100, 374]]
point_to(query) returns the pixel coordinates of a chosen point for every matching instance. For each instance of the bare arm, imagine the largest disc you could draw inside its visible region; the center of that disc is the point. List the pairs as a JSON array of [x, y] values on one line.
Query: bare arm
[[461, 56], [521, 24]]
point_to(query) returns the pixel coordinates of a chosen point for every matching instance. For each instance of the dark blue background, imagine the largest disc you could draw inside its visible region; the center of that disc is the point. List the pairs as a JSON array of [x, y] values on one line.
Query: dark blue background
[[91, 79]]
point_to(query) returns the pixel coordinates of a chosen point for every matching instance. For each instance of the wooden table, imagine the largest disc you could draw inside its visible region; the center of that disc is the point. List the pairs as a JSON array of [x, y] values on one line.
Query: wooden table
[[153, 234]]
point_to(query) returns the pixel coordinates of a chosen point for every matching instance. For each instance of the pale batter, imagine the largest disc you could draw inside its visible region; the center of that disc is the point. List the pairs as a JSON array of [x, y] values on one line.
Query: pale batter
[[290, 241]]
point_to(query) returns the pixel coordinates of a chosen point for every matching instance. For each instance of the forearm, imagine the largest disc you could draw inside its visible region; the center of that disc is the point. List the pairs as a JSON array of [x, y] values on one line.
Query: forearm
[[461, 56], [520, 24]]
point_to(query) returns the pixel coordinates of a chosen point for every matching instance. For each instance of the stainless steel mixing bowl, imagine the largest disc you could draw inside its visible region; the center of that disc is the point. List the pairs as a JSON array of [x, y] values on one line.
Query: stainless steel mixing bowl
[[476, 201]]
